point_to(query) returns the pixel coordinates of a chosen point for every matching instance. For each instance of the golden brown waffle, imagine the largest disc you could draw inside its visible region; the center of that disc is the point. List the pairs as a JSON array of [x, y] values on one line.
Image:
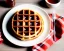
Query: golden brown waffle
[[27, 24]]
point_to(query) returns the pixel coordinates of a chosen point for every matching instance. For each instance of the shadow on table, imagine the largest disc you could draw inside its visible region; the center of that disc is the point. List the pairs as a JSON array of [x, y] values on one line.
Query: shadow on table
[[29, 49], [58, 29], [42, 3]]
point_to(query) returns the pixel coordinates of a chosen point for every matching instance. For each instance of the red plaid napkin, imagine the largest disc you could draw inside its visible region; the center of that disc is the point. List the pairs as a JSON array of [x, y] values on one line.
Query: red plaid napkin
[[59, 27], [1, 40]]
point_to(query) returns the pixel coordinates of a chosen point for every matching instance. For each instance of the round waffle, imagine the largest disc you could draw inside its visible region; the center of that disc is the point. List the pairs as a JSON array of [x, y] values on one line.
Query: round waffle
[[27, 24]]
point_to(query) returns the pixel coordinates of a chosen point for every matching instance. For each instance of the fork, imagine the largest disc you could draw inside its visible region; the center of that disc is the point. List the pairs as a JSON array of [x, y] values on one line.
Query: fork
[[54, 18]]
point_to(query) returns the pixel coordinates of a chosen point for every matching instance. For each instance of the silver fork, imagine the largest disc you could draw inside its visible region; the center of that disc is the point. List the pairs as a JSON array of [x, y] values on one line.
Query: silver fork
[[53, 18]]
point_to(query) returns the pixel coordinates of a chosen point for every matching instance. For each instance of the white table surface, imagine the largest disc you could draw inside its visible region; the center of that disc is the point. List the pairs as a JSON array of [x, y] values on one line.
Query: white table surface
[[58, 46]]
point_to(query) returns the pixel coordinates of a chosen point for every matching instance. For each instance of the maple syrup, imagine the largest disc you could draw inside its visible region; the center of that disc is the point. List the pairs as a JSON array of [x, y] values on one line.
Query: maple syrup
[[53, 1]]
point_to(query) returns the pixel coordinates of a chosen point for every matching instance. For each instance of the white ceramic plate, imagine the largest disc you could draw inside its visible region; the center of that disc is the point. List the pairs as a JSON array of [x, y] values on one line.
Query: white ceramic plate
[[31, 42]]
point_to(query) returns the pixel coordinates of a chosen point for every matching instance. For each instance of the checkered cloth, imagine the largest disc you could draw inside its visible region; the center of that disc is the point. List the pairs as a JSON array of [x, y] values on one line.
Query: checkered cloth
[[59, 27], [1, 40]]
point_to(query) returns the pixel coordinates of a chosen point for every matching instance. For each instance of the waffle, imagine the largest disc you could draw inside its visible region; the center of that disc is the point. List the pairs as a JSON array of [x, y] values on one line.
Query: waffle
[[27, 24]]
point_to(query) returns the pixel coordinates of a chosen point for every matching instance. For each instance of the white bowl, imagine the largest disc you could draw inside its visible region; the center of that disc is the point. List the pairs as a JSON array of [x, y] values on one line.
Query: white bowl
[[35, 8], [52, 5]]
